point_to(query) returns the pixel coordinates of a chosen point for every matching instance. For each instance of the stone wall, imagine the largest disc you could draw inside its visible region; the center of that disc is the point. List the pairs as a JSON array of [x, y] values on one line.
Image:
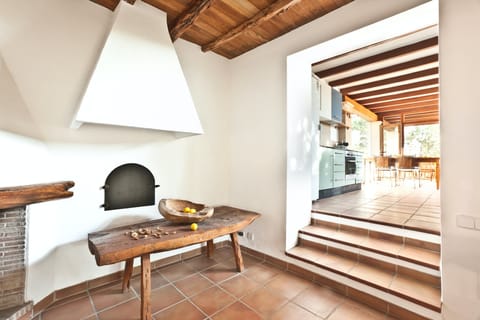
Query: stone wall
[[12, 257]]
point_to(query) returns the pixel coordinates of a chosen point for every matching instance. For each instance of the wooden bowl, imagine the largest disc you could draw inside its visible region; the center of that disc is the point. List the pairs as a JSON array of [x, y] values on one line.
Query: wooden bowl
[[172, 210]]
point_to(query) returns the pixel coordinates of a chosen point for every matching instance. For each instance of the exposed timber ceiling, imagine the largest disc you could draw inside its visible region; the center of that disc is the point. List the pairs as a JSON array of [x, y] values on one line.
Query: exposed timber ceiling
[[233, 27], [396, 79]]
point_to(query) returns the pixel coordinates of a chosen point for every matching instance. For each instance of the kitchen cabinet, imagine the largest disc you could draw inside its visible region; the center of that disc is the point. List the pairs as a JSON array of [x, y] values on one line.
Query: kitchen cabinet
[[336, 105], [326, 168], [359, 167], [338, 168]]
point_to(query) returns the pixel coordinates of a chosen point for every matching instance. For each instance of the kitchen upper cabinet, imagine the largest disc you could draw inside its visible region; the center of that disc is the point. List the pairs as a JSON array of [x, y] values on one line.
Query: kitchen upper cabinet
[[325, 101], [336, 105], [326, 168], [316, 94]]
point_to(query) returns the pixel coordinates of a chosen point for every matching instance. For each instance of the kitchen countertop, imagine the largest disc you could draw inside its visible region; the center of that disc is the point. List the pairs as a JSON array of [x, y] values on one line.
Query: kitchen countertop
[[340, 148]]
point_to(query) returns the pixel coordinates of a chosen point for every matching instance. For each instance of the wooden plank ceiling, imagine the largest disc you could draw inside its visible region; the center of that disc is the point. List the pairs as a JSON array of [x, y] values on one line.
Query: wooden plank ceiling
[[233, 27], [396, 79]]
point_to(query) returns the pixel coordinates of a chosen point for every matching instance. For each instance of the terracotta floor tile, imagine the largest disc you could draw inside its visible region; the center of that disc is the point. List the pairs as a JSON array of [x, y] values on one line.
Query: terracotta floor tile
[[180, 311], [288, 285], [157, 281], [339, 263], [426, 219], [212, 300], [389, 219], [352, 310], [261, 273], [416, 289], [165, 296], [201, 263], [129, 310], [319, 300], [420, 254], [264, 301], [76, 309], [309, 253], [239, 286], [372, 274], [194, 284], [176, 271], [393, 213], [110, 296], [320, 230], [355, 238], [382, 245], [237, 311], [429, 226], [292, 311], [219, 272]]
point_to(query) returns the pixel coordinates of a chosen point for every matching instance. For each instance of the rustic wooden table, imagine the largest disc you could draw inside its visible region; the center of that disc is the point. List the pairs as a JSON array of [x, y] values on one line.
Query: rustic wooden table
[[117, 245]]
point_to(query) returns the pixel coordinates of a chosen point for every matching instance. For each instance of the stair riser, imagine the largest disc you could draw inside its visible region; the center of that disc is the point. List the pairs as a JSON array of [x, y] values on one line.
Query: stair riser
[[394, 265]]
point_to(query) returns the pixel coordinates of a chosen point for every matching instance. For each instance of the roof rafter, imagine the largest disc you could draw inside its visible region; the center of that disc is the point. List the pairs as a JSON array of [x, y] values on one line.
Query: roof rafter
[[402, 101], [407, 86], [262, 16], [379, 57], [407, 94], [187, 19], [382, 71]]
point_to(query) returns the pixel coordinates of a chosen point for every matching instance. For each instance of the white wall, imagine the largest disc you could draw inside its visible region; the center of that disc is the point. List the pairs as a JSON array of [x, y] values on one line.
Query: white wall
[[48, 49], [459, 114], [261, 174]]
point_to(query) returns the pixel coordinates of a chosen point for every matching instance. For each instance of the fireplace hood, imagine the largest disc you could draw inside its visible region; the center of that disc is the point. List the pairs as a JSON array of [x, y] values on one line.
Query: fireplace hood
[[138, 81]]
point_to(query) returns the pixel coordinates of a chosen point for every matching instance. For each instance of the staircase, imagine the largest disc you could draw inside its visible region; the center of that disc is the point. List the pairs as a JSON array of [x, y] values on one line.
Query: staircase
[[398, 267]]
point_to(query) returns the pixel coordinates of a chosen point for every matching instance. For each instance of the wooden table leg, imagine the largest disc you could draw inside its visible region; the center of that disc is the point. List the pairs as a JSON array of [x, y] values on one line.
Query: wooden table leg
[[146, 306], [236, 251], [127, 274], [210, 248]]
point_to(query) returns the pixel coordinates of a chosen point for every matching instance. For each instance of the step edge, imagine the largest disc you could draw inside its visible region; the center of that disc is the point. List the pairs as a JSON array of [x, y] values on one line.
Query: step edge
[[368, 254], [336, 214], [369, 225], [369, 284], [378, 251]]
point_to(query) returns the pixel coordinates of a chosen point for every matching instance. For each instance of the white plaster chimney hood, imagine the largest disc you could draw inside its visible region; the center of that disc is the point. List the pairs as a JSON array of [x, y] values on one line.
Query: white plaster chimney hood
[[138, 80]]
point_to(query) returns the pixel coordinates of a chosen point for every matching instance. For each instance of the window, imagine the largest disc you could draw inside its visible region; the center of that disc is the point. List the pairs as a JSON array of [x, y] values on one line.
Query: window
[[422, 141], [360, 132]]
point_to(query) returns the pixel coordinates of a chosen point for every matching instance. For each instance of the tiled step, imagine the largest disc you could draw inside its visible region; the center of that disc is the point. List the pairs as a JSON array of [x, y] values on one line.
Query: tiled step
[[398, 281], [415, 251]]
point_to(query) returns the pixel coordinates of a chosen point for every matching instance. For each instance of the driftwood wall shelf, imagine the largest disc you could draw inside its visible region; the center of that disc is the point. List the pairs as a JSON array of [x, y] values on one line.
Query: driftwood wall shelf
[[12, 197]]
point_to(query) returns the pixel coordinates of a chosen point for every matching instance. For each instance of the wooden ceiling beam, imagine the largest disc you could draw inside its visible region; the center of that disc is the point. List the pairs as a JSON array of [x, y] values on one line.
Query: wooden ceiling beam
[[405, 106], [188, 18], [407, 94], [412, 110], [387, 81], [360, 110], [109, 4], [402, 101], [382, 71], [403, 87], [262, 16], [428, 43]]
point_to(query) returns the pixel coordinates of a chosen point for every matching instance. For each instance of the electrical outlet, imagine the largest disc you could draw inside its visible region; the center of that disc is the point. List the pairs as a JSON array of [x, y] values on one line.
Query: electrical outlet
[[240, 233], [250, 236], [464, 221]]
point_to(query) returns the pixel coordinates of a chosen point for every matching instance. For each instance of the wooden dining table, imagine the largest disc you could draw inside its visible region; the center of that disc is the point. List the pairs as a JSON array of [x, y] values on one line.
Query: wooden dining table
[[117, 244]]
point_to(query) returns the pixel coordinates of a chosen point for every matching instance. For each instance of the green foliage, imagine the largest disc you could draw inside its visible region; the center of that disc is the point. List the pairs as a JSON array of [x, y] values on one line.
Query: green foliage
[[360, 130], [423, 140]]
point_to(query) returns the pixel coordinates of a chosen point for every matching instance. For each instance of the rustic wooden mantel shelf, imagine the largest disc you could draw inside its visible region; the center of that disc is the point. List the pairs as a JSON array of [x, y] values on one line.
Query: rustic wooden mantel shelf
[[11, 197]]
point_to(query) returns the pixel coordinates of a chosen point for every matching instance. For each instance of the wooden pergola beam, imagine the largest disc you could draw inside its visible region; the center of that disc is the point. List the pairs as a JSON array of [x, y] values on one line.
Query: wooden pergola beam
[[428, 43], [188, 18], [382, 71], [407, 86], [262, 16], [407, 94], [408, 111], [387, 81], [402, 101], [405, 105], [360, 110]]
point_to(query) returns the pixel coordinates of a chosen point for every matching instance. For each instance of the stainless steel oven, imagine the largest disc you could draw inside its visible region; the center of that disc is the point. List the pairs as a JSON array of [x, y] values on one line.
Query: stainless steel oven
[[350, 165]]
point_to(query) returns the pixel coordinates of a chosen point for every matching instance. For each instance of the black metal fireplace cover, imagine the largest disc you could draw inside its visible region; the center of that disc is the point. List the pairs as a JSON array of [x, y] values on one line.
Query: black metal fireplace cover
[[129, 185]]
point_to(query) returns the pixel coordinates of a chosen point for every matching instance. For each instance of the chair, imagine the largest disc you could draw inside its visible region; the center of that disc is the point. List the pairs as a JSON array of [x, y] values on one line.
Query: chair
[[384, 169], [427, 170], [406, 169]]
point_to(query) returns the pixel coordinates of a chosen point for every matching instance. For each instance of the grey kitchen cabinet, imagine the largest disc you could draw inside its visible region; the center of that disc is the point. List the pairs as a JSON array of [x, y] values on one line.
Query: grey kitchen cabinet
[[326, 168], [338, 168], [336, 106]]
